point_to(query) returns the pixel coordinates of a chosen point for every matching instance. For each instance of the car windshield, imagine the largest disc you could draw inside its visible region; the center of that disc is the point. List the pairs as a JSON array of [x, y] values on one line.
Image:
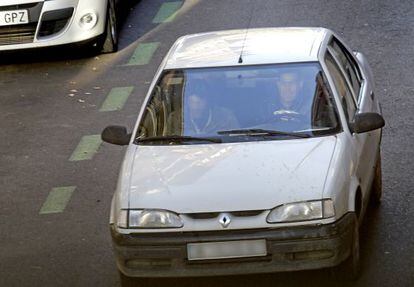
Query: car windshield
[[233, 104]]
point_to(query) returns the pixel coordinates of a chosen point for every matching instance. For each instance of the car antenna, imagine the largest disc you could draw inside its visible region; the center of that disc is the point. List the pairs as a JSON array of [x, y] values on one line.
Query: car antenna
[[245, 36]]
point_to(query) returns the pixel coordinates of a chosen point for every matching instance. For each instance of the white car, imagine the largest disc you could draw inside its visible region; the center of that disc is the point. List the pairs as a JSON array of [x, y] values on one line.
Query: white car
[[255, 151], [41, 23]]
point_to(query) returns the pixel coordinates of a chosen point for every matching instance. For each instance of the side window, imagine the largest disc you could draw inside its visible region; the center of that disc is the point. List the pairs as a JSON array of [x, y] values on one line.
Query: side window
[[163, 110], [342, 88], [348, 64], [323, 110]]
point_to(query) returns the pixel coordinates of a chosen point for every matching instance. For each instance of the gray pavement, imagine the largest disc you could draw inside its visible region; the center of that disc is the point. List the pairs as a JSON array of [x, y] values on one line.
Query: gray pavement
[[41, 125]]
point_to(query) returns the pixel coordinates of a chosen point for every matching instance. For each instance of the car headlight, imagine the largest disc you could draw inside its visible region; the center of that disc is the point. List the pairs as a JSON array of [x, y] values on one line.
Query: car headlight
[[302, 211], [149, 218]]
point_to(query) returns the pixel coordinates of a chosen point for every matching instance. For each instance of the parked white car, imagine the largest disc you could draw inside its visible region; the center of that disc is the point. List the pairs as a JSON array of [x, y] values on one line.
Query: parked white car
[[255, 151], [41, 23]]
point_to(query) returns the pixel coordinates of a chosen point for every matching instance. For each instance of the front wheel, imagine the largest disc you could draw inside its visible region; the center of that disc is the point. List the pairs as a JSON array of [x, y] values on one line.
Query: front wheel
[[109, 40], [349, 269]]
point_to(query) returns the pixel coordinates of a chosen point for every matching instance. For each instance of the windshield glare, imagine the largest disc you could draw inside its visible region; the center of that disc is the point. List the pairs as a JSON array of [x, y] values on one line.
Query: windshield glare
[[290, 98]]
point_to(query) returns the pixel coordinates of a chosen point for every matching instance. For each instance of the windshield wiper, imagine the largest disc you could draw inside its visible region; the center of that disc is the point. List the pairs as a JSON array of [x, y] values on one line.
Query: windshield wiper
[[324, 129], [176, 138], [261, 132]]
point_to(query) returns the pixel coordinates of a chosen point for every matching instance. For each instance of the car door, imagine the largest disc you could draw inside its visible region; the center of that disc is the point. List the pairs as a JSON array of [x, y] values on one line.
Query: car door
[[362, 94]]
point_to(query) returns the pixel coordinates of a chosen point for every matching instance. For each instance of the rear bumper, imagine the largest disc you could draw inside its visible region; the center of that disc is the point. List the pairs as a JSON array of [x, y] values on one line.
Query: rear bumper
[[289, 249], [52, 23]]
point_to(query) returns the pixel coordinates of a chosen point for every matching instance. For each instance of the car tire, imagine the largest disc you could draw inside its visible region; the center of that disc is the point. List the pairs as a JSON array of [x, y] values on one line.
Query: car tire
[[376, 188], [349, 270], [131, 281], [109, 40]]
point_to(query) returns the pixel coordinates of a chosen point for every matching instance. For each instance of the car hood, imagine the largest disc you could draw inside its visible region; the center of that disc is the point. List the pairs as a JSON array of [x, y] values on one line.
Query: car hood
[[229, 177]]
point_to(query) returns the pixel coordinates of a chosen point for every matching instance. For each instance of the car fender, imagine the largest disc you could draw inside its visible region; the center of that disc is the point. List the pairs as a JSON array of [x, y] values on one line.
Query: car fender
[[342, 183], [112, 212], [120, 199], [353, 188]]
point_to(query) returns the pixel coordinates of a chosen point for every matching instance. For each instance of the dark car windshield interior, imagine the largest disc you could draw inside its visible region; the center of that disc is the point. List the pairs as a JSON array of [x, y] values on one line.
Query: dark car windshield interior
[[235, 104]]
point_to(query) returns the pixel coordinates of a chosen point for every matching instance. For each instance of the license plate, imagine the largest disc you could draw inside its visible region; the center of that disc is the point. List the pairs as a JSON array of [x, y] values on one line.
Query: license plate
[[14, 17], [226, 249]]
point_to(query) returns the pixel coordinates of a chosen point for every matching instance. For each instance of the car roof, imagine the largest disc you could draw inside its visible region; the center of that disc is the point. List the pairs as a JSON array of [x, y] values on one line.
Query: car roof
[[260, 46]]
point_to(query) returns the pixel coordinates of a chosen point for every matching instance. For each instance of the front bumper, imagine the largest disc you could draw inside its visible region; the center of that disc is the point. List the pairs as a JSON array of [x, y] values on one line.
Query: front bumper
[[51, 23], [289, 249]]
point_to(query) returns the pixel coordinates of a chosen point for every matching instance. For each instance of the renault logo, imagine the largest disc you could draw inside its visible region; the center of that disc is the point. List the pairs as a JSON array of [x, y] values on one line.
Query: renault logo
[[225, 220]]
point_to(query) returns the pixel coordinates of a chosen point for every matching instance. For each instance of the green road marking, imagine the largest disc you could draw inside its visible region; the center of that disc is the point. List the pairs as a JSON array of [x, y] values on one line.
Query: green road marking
[[167, 12], [87, 147], [57, 199], [116, 99], [143, 54]]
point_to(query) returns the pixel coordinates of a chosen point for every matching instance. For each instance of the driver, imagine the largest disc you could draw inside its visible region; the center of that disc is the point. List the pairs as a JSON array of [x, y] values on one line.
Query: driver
[[289, 86]]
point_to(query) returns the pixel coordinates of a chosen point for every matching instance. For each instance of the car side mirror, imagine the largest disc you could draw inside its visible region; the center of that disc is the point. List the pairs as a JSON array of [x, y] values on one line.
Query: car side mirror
[[116, 135], [366, 122]]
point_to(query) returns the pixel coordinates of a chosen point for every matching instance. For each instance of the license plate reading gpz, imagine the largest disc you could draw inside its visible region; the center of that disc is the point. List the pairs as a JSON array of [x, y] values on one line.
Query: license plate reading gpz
[[226, 249], [14, 17]]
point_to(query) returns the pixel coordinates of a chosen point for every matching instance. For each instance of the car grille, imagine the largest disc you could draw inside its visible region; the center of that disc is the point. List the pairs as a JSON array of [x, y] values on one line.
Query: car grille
[[19, 6], [210, 215], [21, 34], [17, 34]]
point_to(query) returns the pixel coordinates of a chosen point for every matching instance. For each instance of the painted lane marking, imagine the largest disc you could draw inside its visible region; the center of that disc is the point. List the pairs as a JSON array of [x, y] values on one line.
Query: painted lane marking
[[57, 199], [167, 12], [143, 54], [86, 148], [116, 99]]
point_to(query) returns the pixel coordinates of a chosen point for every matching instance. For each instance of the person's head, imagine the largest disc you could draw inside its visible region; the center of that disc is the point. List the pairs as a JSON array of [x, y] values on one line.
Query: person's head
[[197, 105], [289, 85]]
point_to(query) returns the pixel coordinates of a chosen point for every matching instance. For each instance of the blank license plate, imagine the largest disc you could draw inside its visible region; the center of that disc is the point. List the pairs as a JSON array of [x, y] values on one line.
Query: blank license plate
[[226, 249], [14, 17]]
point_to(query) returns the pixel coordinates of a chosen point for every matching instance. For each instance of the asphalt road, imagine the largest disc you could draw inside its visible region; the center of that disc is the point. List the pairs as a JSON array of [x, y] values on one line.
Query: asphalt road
[[42, 121]]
